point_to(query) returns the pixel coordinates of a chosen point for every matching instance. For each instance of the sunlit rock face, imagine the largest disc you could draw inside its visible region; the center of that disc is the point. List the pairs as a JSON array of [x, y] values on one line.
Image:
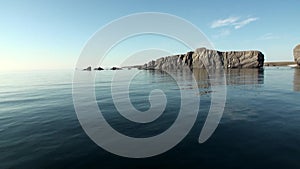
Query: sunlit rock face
[[297, 54], [209, 59]]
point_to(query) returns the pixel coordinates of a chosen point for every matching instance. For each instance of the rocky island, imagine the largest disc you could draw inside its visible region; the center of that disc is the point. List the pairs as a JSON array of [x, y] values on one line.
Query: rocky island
[[207, 58]]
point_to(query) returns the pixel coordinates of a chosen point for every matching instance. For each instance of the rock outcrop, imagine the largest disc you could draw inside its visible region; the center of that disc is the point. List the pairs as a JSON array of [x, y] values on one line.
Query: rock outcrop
[[88, 68], [297, 54], [116, 68], [209, 59], [98, 68]]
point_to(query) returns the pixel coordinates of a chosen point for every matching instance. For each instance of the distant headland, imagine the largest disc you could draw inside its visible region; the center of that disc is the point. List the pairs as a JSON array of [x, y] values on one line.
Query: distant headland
[[212, 59]]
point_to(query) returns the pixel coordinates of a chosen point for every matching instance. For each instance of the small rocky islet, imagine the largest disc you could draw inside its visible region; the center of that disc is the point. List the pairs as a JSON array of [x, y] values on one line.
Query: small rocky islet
[[98, 68], [88, 68]]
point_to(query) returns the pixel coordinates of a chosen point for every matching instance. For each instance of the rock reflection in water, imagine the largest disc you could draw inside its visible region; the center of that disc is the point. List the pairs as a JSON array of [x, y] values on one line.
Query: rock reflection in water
[[297, 80], [215, 77], [245, 76], [233, 77]]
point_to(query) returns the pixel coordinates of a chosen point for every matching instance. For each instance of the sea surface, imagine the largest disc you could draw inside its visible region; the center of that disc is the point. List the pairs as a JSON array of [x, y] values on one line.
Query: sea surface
[[260, 126]]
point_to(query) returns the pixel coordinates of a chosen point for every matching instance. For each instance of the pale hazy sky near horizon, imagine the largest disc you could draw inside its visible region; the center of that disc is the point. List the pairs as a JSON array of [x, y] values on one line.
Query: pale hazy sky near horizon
[[49, 34]]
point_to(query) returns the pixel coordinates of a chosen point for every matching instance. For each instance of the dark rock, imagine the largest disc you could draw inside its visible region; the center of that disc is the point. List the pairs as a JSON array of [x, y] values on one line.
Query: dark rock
[[99, 68], [116, 68], [88, 68]]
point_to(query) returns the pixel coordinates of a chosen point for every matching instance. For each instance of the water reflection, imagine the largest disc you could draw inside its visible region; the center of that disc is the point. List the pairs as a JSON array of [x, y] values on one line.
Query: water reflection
[[297, 80], [207, 78], [233, 77], [245, 76]]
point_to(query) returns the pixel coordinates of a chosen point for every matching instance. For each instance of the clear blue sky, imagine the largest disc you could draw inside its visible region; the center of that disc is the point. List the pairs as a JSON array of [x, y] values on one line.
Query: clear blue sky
[[39, 34]]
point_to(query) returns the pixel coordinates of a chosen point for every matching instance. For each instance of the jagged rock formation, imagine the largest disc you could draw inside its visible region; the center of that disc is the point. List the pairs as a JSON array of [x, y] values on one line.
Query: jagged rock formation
[[297, 54], [206, 58]]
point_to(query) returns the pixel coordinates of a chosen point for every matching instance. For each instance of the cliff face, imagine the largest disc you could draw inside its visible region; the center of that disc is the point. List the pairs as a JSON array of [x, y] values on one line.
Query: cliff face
[[205, 58], [297, 54]]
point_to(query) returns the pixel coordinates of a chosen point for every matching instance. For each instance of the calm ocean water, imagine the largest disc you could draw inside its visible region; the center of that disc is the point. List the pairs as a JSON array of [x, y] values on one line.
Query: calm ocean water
[[260, 127]]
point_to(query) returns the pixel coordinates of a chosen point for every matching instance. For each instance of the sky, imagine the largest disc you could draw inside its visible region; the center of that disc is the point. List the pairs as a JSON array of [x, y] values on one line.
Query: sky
[[50, 34]]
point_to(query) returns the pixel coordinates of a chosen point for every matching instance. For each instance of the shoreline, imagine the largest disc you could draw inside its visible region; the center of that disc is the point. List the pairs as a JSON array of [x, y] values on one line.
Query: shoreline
[[280, 63]]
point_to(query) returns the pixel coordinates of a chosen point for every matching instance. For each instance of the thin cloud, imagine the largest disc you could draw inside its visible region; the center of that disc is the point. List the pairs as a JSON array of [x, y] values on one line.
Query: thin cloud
[[224, 22], [235, 22], [243, 23]]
